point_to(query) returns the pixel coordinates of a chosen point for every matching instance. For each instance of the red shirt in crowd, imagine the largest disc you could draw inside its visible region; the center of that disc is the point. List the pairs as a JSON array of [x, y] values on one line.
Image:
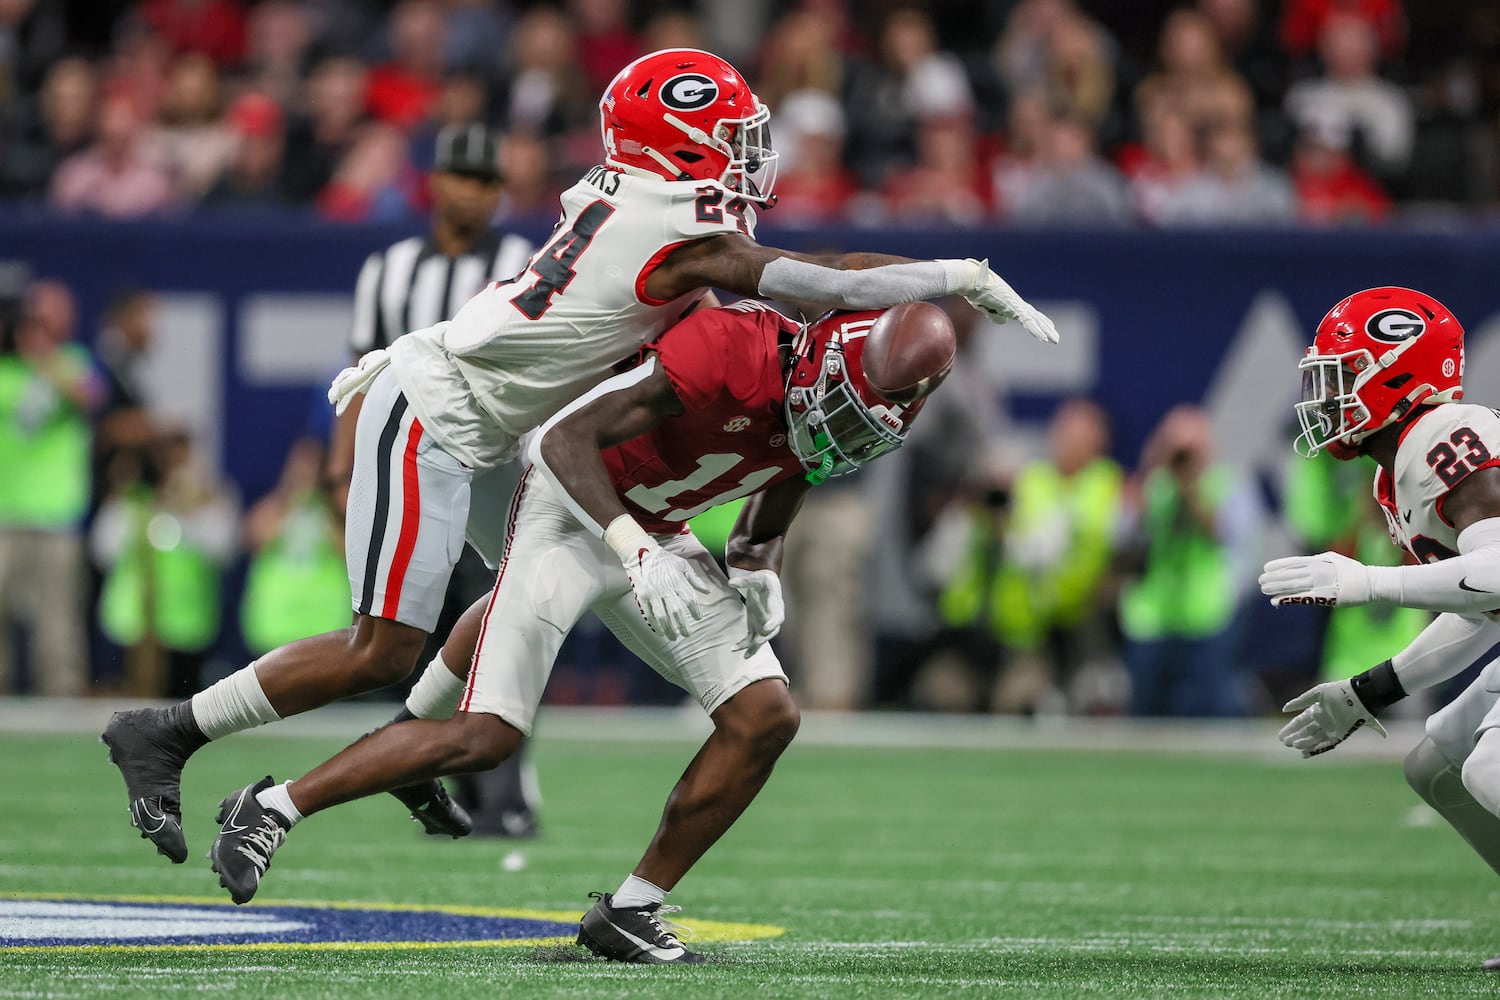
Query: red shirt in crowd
[[1302, 20], [1342, 193], [216, 28], [400, 97]]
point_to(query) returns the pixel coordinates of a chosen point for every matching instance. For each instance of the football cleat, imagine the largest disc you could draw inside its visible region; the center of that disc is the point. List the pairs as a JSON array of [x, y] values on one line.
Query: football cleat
[[633, 934], [248, 836], [1492, 964], [150, 746], [435, 810]]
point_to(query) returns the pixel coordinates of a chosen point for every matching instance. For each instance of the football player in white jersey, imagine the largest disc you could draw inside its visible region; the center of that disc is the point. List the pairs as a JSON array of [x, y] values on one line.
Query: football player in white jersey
[[668, 215], [1384, 378]]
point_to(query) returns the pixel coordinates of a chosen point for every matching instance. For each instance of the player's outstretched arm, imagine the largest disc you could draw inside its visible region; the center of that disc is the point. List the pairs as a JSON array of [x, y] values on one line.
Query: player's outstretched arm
[[753, 555], [738, 264], [1466, 583], [567, 450]]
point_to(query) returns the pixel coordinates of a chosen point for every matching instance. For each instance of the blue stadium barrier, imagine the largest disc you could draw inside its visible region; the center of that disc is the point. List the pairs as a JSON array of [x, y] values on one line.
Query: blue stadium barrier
[[1150, 318]]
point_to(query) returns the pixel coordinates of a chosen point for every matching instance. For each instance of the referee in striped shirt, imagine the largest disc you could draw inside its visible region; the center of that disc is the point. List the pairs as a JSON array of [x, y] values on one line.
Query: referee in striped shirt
[[420, 281]]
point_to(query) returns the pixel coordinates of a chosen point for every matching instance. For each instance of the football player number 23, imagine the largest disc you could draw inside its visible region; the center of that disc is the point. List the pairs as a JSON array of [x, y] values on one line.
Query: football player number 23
[[658, 499], [553, 267], [1449, 464]]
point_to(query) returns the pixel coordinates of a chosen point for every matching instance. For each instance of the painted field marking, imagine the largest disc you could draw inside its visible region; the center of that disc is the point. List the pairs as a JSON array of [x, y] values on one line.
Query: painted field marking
[[65, 922]]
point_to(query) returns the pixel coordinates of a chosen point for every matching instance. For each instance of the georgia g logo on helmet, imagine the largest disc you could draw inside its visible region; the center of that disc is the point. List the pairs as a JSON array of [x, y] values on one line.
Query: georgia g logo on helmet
[[689, 92], [1392, 326]]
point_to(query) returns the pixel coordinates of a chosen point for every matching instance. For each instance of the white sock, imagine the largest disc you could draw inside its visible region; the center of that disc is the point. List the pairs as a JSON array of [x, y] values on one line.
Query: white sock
[[279, 797], [635, 893], [437, 692], [233, 704]]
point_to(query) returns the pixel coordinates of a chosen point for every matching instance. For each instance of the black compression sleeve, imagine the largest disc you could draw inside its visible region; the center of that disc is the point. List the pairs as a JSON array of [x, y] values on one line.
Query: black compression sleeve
[[1378, 688]]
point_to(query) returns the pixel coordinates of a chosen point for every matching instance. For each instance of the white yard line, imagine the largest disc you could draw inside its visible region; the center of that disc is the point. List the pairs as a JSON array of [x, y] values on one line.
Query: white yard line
[[1245, 737]]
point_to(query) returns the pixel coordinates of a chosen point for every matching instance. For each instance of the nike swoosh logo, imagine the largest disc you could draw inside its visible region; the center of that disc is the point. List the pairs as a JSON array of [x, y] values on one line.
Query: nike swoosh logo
[[1463, 584], [143, 813], [1407, 515], [647, 946], [230, 826]]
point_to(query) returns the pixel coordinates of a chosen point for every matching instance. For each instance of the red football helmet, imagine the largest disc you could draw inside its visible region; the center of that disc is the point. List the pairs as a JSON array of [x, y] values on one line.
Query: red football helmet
[[684, 114], [835, 421], [1377, 355]]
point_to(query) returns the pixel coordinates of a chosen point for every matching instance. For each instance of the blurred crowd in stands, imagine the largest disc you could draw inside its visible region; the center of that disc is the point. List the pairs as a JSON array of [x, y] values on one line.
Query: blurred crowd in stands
[[952, 112]]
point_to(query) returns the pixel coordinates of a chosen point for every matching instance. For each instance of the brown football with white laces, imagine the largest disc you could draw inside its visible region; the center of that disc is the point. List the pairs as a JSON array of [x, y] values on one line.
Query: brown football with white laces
[[909, 351]]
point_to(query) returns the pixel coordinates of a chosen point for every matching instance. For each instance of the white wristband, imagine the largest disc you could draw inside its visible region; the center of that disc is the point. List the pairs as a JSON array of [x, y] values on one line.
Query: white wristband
[[626, 537]]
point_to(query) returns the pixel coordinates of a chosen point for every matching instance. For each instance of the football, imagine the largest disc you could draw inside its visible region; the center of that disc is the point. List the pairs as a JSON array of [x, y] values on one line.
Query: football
[[909, 352]]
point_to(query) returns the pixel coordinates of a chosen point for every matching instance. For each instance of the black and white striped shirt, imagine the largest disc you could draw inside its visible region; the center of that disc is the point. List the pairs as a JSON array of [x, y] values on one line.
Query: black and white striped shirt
[[413, 284]]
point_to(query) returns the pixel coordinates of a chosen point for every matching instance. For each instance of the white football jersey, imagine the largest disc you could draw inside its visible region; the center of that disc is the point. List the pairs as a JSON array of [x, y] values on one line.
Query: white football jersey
[[519, 350], [1437, 451]]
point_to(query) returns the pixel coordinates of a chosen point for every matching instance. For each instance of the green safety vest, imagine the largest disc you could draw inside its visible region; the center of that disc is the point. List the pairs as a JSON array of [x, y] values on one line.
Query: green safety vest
[[44, 447], [159, 568], [1019, 605], [1186, 589], [1327, 500], [297, 585]]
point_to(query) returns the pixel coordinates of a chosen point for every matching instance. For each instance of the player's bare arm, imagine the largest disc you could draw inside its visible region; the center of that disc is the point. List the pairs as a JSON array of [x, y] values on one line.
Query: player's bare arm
[[738, 264], [568, 448], [1475, 499], [755, 542], [567, 451], [753, 555]]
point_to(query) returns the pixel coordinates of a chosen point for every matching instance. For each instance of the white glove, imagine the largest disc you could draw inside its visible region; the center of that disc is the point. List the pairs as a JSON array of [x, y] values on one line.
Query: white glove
[[997, 300], [1326, 578], [764, 608], [666, 589], [1329, 715], [357, 379]]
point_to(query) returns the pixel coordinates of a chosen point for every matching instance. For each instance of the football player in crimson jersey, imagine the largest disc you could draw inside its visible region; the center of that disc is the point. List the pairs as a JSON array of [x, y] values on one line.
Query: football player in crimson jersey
[[666, 216], [669, 214], [1384, 378], [733, 402]]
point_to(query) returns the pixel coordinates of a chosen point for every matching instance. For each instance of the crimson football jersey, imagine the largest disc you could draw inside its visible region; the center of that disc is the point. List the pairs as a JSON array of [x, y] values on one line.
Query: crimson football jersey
[[730, 440]]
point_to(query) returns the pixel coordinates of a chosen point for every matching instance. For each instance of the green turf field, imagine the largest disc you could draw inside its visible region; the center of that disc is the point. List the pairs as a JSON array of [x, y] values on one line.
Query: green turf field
[[894, 873]]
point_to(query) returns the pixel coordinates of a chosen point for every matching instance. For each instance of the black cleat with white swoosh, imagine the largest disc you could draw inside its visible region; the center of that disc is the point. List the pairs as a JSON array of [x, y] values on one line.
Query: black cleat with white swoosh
[[435, 810], [150, 746], [249, 836], [633, 934]]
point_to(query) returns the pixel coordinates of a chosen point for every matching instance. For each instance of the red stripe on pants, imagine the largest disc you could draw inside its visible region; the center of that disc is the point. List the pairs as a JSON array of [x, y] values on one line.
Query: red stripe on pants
[[484, 625], [411, 518]]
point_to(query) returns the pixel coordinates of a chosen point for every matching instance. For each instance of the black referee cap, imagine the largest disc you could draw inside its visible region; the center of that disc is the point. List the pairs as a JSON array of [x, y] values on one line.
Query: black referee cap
[[471, 150]]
